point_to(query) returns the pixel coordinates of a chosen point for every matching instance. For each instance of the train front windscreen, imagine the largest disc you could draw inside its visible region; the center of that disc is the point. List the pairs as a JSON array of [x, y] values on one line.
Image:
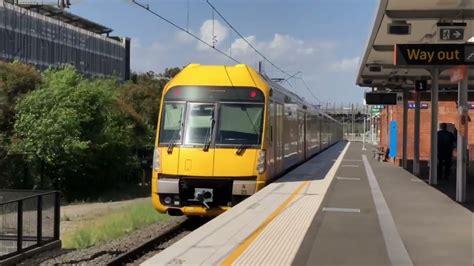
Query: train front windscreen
[[197, 116]]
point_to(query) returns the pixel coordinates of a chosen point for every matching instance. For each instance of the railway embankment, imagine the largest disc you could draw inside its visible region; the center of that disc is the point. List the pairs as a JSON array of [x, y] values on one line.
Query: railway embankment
[[96, 233]]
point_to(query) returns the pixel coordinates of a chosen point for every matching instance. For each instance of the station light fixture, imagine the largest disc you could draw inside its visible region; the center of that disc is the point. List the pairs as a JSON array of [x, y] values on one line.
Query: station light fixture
[[375, 68], [399, 27]]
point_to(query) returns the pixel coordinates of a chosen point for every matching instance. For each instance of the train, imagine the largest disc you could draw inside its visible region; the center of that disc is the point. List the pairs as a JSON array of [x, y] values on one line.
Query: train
[[224, 132]]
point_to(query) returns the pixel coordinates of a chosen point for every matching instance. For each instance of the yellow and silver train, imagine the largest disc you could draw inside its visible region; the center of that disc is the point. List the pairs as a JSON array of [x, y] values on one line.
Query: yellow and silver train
[[224, 132]]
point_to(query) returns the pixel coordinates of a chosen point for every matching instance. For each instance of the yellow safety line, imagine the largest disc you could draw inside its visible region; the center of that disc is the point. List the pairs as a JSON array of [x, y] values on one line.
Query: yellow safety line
[[246, 243]]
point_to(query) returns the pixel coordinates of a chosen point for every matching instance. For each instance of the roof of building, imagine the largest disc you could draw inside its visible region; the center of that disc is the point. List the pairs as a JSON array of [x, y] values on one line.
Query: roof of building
[[66, 17], [424, 17]]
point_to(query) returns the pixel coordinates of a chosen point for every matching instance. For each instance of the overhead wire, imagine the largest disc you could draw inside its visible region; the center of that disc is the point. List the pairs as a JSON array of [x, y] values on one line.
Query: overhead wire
[[309, 90], [212, 46], [146, 7], [290, 76], [245, 39]]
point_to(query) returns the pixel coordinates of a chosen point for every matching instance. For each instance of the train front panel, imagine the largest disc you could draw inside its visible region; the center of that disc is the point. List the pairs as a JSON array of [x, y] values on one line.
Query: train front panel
[[210, 150]]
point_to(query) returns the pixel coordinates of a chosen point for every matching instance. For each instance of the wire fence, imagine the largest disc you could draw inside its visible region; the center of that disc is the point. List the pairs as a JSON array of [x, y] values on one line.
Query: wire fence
[[27, 220]]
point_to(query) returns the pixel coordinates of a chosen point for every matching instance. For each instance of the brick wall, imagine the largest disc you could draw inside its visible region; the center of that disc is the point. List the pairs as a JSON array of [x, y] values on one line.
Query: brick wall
[[447, 113]]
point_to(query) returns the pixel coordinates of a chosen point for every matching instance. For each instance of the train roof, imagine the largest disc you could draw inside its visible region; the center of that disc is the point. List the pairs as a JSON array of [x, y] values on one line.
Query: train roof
[[294, 97], [218, 75], [240, 75]]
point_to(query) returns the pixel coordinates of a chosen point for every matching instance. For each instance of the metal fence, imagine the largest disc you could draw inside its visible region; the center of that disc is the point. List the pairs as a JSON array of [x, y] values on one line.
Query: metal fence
[[28, 219]]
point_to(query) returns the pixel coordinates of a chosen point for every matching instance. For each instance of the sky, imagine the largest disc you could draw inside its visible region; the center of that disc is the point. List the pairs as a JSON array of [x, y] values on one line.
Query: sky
[[323, 39]]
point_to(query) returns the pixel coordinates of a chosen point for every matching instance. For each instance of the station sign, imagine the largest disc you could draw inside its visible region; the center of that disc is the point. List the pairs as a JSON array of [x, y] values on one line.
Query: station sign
[[458, 73], [385, 98], [421, 85], [451, 34], [375, 111], [422, 105], [434, 54]]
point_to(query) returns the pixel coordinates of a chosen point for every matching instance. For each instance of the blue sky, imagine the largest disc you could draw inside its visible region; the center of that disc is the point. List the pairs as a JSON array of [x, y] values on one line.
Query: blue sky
[[323, 39]]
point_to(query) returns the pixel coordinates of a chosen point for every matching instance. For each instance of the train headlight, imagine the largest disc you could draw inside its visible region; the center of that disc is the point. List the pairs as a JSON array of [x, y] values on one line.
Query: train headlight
[[156, 159], [261, 162]]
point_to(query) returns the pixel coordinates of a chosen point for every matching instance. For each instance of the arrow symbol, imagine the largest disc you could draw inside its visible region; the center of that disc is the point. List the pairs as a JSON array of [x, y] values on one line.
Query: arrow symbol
[[457, 34]]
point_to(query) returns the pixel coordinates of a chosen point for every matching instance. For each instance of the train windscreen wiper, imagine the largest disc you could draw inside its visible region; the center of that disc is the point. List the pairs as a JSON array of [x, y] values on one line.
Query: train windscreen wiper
[[207, 143], [241, 149], [172, 143]]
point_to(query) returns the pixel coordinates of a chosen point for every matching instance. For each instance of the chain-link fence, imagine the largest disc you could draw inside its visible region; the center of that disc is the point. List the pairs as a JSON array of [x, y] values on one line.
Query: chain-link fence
[[28, 219]]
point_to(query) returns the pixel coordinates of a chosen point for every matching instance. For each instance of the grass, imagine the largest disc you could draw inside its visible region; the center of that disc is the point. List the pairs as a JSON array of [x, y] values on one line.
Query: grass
[[113, 225]]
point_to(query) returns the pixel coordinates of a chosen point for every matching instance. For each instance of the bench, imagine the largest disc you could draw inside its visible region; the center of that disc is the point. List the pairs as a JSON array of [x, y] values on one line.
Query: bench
[[379, 154]]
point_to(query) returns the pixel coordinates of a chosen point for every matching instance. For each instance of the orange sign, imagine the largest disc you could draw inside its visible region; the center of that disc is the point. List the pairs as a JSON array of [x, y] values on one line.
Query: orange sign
[[458, 73]]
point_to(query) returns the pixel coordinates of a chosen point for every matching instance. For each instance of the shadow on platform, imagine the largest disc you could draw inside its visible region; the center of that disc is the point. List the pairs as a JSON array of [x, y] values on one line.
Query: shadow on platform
[[448, 187]]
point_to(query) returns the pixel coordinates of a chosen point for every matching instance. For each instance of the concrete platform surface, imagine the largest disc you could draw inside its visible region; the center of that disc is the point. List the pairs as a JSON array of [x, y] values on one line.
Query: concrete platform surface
[[339, 208]]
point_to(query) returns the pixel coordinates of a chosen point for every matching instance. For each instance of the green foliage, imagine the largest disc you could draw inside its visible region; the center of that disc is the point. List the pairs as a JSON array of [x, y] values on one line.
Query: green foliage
[[83, 136], [16, 79], [114, 225], [74, 128], [140, 100]]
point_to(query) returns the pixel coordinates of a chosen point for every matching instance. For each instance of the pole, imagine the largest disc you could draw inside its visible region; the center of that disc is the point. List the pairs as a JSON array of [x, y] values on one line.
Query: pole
[[416, 138], [364, 131], [434, 128], [352, 130], [405, 129], [462, 141]]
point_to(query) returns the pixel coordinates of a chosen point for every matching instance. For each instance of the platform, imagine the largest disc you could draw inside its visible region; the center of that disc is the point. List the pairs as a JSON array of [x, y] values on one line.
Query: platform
[[339, 208]]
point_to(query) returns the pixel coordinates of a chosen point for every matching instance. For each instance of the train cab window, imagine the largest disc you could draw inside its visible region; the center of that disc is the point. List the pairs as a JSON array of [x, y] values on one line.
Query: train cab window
[[240, 124], [199, 124], [173, 115]]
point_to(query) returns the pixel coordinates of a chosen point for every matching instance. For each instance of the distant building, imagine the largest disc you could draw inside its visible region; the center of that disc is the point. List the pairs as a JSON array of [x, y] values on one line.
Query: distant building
[[44, 35]]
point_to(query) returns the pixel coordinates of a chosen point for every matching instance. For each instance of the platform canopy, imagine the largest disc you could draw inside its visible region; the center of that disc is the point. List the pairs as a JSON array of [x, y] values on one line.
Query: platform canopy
[[426, 19]]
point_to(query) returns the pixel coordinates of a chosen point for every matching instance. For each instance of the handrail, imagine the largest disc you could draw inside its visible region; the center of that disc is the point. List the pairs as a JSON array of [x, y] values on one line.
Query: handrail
[[39, 238], [28, 197]]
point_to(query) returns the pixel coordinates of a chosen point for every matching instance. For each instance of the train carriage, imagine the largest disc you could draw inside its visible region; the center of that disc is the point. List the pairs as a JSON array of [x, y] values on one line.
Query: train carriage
[[224, 132]]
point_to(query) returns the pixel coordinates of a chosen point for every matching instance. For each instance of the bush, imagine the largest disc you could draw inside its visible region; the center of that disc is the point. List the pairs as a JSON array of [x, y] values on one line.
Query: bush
[[73, 128], [16, 80]]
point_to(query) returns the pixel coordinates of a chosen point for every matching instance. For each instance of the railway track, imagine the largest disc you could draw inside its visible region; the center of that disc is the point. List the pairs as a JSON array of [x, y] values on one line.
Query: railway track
[[155, 245]]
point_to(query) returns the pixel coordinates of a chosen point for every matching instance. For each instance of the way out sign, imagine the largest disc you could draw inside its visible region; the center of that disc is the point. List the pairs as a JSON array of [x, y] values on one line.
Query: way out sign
[[434, 54], [458, 73]]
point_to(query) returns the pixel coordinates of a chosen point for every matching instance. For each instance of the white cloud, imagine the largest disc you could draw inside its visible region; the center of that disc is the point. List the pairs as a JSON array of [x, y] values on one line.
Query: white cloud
[[212, 32], [279, 47], [325, 74], [346, 65], [184, 37]]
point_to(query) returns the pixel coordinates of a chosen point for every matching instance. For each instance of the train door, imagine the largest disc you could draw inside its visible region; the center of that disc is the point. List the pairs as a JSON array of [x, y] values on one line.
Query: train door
[[305, 134], [196, 157], [271, 155], [301, 136], [320, 130], [279, 138]]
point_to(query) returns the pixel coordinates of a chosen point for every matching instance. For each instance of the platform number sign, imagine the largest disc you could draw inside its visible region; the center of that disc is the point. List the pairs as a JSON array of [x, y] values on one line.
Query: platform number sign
[[421, 85]]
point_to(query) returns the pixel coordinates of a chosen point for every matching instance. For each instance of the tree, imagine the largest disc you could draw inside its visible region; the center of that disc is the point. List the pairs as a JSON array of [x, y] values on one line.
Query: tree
[[140, 100], [75, 130], [16, 80]]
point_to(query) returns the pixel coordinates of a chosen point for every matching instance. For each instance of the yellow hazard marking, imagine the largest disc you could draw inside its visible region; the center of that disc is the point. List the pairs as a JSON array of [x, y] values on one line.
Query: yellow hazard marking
[[246, 243]]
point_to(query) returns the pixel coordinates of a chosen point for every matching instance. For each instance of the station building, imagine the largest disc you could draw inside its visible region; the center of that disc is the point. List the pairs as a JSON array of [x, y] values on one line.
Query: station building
[[44, 36], [447, 113]]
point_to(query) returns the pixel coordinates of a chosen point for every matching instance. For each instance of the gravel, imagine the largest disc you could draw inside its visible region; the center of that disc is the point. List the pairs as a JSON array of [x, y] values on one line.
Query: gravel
[[102, 254]]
